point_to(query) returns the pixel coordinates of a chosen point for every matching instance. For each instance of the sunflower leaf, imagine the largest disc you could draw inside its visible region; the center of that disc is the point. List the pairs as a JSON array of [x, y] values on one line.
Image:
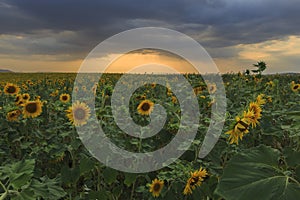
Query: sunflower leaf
[[254, 174]]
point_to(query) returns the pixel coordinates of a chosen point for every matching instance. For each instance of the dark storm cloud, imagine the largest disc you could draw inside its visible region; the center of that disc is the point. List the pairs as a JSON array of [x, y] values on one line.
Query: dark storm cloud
[[214, 23]]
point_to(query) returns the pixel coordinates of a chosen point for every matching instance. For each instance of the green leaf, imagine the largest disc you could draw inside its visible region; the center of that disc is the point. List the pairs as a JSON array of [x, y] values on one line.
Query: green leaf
[[129, 179], [48, 188], [70, 175], [109, 175], [86, 165], [291, 157], [21, 172], [26, 194], [268, 128], [117, 191], [98, 195], [254, 174]]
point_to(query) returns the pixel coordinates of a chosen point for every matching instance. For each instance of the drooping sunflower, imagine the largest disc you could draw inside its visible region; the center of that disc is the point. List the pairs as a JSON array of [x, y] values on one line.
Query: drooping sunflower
[[11, 89], [156, 187], [250, 118], [78, 113], [145, 107], [32, 109], [64, 98], [295, 86], [13, 115], [196, 178], [238, 131]]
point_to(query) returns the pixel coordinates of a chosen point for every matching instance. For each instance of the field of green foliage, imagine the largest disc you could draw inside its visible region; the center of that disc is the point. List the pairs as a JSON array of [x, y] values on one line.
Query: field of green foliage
[[256, 157]]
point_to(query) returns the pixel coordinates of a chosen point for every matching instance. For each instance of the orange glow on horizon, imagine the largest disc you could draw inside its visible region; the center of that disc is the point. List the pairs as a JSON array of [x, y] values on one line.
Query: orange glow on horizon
[[132, 60]]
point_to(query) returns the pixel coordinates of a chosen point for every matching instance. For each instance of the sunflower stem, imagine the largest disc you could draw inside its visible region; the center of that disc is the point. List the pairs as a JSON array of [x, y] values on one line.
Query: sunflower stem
[[132, 190], [294, 180], [3, 196]]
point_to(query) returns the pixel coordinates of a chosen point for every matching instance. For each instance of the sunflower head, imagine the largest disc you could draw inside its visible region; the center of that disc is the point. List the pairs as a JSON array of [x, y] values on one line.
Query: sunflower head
[[197, 90], [253, 114], [242, 126], [145, 107], [196, 178], [32, 109], [18, 98], [260, 99], [64, 98], [78, 113], [11, 89], [26, 97], [295, 86], [270, 84], [256, 109], [156, 187], [174, 99], [212, 88], [13, 115], [234, 136]]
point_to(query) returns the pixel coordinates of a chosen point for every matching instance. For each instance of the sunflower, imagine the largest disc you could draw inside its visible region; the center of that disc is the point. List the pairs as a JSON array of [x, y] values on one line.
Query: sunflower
[[256, 109], [24, 87], [94, 89], [250, 118], [54, 93], [13, 115], [295, 87], [240, 128], [242, 125], [18, 99], [260, 99], [174, 99], [269, 99], [78, 113], [156, 187], [196, 178], [11, 89], [270, 83], [32, 108], [64, 98], [197, 90], [235, 136], [26, 97], [145, 107], [212, 88]]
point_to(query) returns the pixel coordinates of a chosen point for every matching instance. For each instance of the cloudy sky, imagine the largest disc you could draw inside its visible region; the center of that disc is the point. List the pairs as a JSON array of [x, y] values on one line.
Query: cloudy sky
[[57, 35]]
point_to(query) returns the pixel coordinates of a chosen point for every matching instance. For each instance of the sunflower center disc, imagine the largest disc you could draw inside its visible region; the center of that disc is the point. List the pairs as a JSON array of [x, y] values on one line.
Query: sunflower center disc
[[156, 187], [31, 108], [145, 107], [79, 114], [11, 89]]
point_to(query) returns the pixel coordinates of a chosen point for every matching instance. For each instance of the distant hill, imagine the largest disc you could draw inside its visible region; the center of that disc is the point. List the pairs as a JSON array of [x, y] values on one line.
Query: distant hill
[[4, 70]]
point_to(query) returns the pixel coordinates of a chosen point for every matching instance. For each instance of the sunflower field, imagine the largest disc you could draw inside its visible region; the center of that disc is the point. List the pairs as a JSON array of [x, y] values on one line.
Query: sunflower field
[[256, 157]]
